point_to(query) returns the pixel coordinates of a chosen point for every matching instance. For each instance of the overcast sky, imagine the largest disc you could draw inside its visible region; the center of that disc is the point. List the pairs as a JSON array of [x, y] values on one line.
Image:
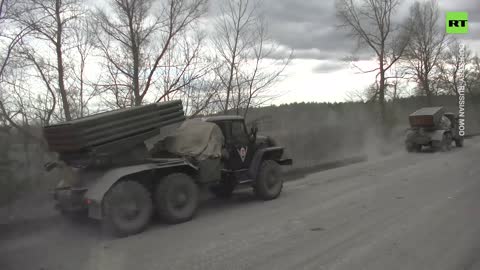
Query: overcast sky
[[318, 73]]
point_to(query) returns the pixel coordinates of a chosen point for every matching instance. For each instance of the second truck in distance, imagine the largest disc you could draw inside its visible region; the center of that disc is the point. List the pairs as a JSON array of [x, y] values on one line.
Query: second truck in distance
[[433, 127]]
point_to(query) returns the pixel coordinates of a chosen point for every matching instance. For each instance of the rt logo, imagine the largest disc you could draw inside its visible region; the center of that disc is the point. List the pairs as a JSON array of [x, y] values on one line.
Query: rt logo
[[456, 23]]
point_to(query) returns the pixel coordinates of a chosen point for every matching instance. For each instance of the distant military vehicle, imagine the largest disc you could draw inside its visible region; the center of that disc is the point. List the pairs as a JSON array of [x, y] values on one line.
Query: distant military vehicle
[[433, 127], [120, 167]]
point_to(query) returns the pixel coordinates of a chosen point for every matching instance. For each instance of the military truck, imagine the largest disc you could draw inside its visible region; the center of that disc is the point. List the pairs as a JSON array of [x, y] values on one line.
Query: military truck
[[432, 127], [123, 167]]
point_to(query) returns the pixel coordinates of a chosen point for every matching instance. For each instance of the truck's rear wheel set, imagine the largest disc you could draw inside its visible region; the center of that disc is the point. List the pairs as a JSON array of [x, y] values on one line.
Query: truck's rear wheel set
[[128, 208], [176, 198]]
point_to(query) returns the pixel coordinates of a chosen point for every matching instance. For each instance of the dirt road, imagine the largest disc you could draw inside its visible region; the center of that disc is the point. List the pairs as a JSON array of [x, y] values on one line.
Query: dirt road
[[408, 211]]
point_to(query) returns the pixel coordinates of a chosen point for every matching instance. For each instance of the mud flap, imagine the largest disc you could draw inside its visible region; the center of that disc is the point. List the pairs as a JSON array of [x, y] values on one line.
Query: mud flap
[[94, 210], [69, 200]]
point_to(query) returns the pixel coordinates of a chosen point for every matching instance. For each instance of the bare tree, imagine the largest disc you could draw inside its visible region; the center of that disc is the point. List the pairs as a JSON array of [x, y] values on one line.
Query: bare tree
[[185, 64], [246, 70], [450, 69], [427, 42], [135, 37], [52, 23], [369, 94], [396, 82], [472, 80], [199, 97], [12, 110], [83, 89], [371, 23], [355, 96]]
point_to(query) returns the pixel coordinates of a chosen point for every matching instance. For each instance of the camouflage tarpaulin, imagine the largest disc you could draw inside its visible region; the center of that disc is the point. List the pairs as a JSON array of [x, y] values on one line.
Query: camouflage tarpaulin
[[197, 139], [445, 123]]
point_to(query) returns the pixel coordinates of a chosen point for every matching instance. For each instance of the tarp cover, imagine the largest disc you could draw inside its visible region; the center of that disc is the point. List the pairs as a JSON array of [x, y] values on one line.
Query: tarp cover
[[196, 138], [445, 123]]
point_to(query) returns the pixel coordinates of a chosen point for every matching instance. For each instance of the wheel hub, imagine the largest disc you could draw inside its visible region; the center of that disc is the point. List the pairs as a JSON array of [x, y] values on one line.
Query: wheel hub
[[129, 210], [271, 181], [180, 198]]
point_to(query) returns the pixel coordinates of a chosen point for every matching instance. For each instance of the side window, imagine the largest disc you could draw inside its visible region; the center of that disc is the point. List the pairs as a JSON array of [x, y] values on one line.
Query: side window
[[239, 133]]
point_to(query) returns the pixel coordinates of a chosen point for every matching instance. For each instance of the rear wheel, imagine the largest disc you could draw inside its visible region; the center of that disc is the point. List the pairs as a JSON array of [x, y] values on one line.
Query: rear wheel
[[269, 182], [412, 147], [418, 148], [128, 208], [445, 144], [176, 198]]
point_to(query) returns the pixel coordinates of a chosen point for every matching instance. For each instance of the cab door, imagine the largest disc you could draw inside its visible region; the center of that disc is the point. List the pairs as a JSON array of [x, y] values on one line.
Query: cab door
[[242, 148]]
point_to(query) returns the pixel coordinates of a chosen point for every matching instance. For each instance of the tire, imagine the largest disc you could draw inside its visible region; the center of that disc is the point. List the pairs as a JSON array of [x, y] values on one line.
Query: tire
[[222, 191], [411, 147], [128, 208], [418, 148], [176, 198], [269, 182], [459, 142], [445, 144], [447, 138]]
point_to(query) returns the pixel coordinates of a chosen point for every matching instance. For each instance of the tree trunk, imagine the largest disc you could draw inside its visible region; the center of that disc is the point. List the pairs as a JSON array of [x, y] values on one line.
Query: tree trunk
[[61, 75], [229, 86], [381, 97], [426, 88], [136, 79], [82, 70]]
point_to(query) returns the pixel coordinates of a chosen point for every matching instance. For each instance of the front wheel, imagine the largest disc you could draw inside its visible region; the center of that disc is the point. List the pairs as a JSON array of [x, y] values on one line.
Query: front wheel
[[128, 208], [269, 182], [446, 143], [176, 198]]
